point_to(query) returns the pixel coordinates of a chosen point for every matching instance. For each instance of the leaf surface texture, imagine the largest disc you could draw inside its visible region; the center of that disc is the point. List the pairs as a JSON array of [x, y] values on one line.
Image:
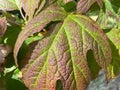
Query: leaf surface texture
[[62, 55]]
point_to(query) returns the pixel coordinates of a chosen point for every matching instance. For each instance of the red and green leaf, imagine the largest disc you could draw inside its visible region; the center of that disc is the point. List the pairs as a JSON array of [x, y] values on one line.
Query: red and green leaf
[[52, 13], [62, 55], [43, 4]]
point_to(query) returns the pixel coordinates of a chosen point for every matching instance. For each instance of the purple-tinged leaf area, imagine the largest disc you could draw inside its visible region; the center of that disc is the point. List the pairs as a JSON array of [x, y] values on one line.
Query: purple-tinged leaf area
[[8, 5], [52, 13], [30, 6], [3, 26], [62, 55], [84, 5]]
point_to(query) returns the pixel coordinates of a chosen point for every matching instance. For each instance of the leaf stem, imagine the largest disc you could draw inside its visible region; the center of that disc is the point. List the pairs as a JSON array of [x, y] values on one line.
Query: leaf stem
[[22, 14]]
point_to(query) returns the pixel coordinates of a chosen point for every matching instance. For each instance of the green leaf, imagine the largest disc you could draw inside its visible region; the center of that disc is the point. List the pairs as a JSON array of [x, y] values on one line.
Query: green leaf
[[108, 17], [61, 56], [114, 68], [52, 13], [70, 6], [8, 70], [114, 36], [32, 39], [8, 5], [11, 34]]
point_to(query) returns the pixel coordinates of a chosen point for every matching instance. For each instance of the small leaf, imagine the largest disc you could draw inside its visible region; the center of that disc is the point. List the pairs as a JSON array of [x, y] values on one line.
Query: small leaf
[[52, 13], [84, 5], [3, 26], [61, 56], [8, 5]]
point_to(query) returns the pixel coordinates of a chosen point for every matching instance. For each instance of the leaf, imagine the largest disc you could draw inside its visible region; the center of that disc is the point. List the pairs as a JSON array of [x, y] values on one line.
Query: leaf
[[11, 34], [3, 26], [61, 56], [19, 3], [30, 6], [52, 13], [70, 6], [108, 18], [84, 5], [8, 5], [114, 36]]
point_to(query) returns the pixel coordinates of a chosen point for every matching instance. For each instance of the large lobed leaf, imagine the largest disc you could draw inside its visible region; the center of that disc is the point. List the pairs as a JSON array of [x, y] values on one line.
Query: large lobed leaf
[[52, 13], [3, 26], [62, 55]]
